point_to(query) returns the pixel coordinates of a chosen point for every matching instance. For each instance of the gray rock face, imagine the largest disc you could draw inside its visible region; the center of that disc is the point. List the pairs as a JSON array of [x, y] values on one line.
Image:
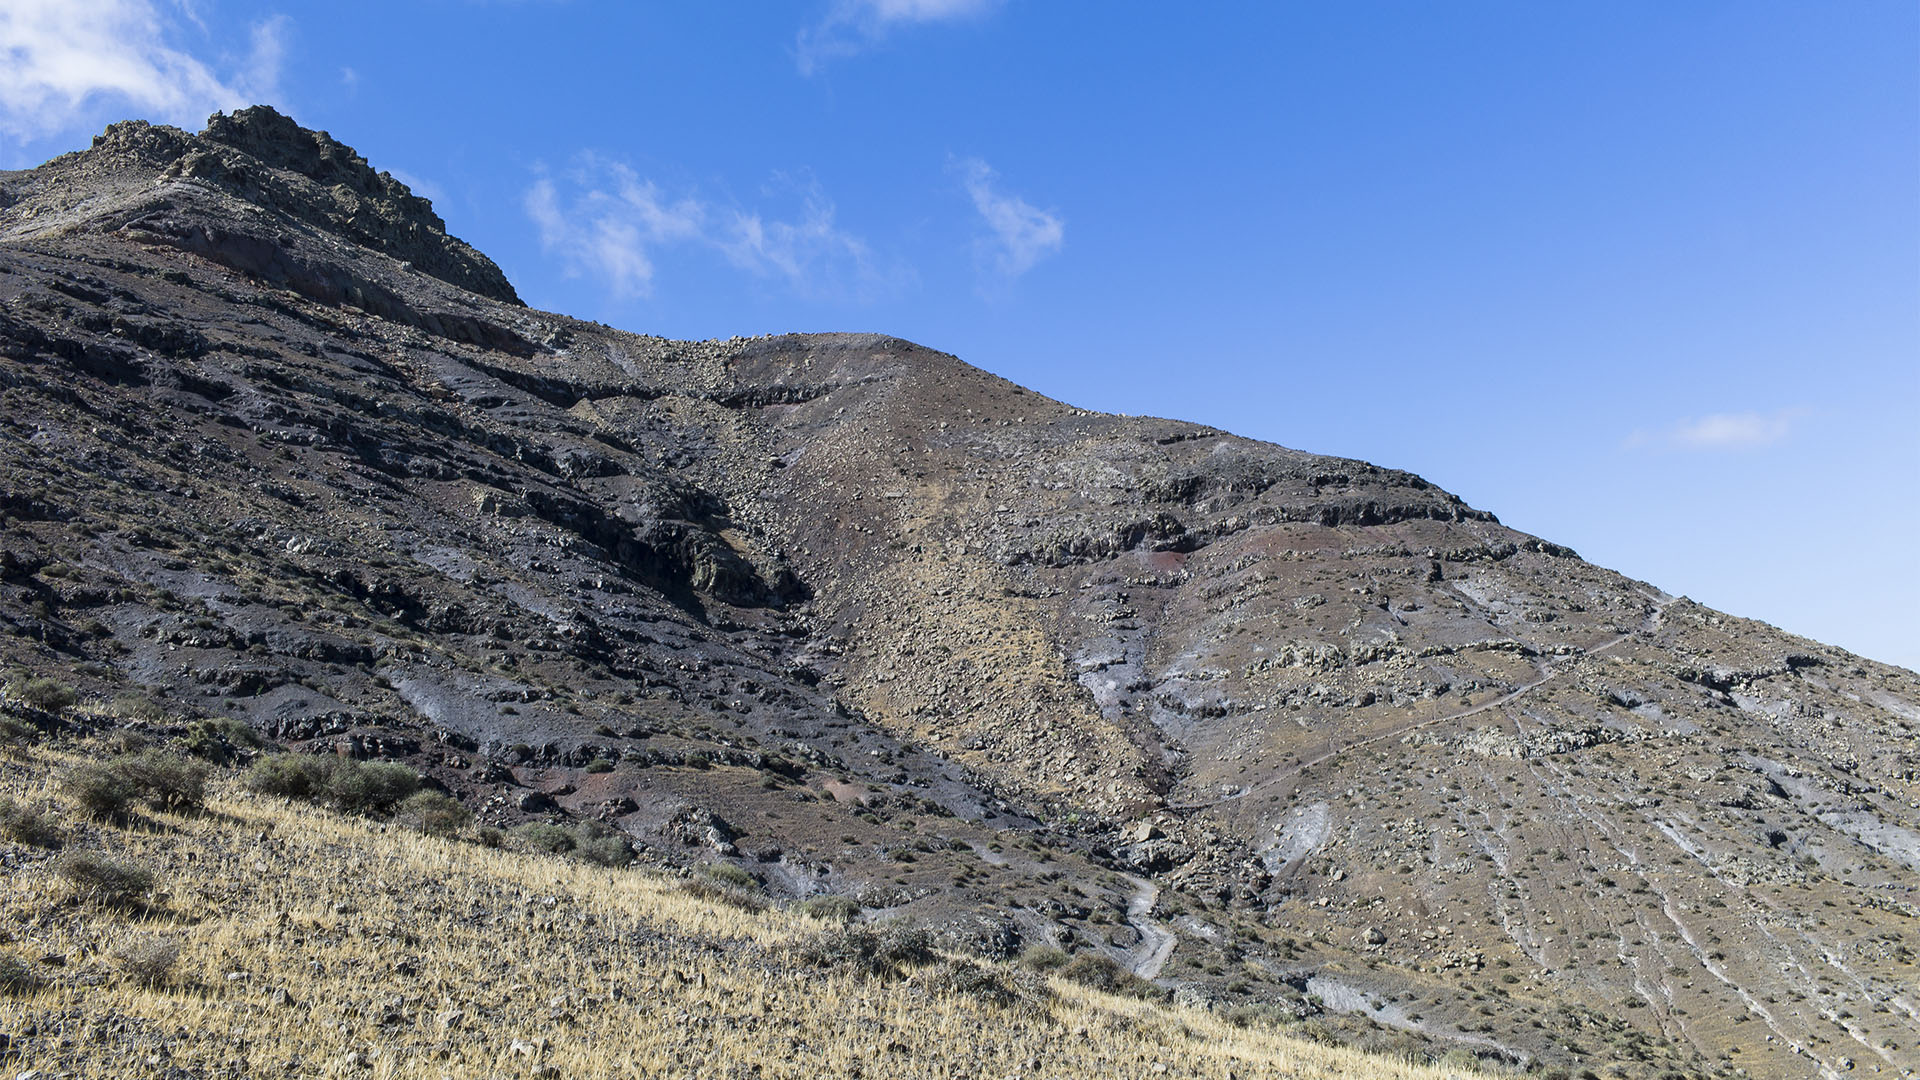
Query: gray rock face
[[296, 177], [274, 448]]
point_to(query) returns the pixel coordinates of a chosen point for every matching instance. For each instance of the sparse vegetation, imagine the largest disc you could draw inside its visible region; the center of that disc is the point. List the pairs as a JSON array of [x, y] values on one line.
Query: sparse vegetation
[[221, 739], [40, 692], [544, 837], [876, 951], [830, 908], [725, 883], [17, 976], [432, 812], [281, 912], [146, 960], [115, 881], [359, 787], [164, 780], [1100, 972], [1043, 958], [23, 824]]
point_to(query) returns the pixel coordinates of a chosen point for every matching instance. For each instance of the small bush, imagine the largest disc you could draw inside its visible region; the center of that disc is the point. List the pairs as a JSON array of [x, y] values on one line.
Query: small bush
[[41, 692], [718, 892], [544, 836], [488, 836], [104, 879], [290, 776], [370, 787], [360, 787], [146, 960], [131, 706], [1100, 972], [598, 842], [15, 731], [128, 741], [165, 780], [221, 739], [1042, 958], [431, 812], [107, 789], [17, 976], [995, 986], [877, 951], [838, 909], [1259, 1015], [729, 874], [99, 790], [25, 825], [599, 765]]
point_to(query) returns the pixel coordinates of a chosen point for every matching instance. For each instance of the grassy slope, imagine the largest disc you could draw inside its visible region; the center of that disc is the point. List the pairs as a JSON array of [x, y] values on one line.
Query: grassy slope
[[313, 944]]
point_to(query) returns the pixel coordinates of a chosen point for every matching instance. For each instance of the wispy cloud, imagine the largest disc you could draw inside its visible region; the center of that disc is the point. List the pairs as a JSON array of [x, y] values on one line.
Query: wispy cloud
[[1018, 234], [605, 221], [58, 58], [1721, 431], [853, 26]]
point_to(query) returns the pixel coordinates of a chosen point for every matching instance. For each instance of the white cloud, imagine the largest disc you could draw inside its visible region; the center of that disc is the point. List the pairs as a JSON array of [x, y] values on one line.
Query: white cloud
[[611, 221], [58, 58], [1722, 431], [851, 26], [1019, 234]]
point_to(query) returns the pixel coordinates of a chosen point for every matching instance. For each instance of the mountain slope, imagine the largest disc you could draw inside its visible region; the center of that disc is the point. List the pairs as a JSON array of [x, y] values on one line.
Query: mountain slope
[[868, 620]]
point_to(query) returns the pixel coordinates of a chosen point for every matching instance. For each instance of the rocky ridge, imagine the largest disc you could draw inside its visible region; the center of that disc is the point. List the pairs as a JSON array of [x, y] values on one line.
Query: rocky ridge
[[861, 618]]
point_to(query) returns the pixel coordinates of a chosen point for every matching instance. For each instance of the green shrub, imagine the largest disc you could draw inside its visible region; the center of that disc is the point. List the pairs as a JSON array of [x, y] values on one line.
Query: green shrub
[[488, 836], [361, 787], [99, 790], [131, 706], [599, 765], [165, 780], [877, 951], [1100, 972], [370, 787], [432, 812], [41, 692], [725, 883], [15, 731], [221, 739], [104, 879], [290, 776], [1043, 958], [544, 836], [107, 789], [729, 874], [598, 842], [25, 825], [838, 909]]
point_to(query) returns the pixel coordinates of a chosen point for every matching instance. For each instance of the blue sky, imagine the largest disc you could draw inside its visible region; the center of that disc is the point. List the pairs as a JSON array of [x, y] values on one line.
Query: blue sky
[[1643, 278]]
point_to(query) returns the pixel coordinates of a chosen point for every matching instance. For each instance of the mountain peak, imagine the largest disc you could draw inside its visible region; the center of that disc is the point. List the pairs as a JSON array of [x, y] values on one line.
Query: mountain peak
[[261, 158]]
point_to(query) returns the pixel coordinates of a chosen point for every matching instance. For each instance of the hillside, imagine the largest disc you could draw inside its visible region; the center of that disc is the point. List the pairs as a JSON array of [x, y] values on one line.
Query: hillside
[[278, 939], [863, 620]]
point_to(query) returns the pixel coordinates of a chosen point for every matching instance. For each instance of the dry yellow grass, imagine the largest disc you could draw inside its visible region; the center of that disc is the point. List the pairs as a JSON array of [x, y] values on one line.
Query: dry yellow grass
[[313, 944]]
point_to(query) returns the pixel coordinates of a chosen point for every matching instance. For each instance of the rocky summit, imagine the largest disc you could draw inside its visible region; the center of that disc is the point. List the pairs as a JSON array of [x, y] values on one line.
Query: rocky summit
[[1273, 729]]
